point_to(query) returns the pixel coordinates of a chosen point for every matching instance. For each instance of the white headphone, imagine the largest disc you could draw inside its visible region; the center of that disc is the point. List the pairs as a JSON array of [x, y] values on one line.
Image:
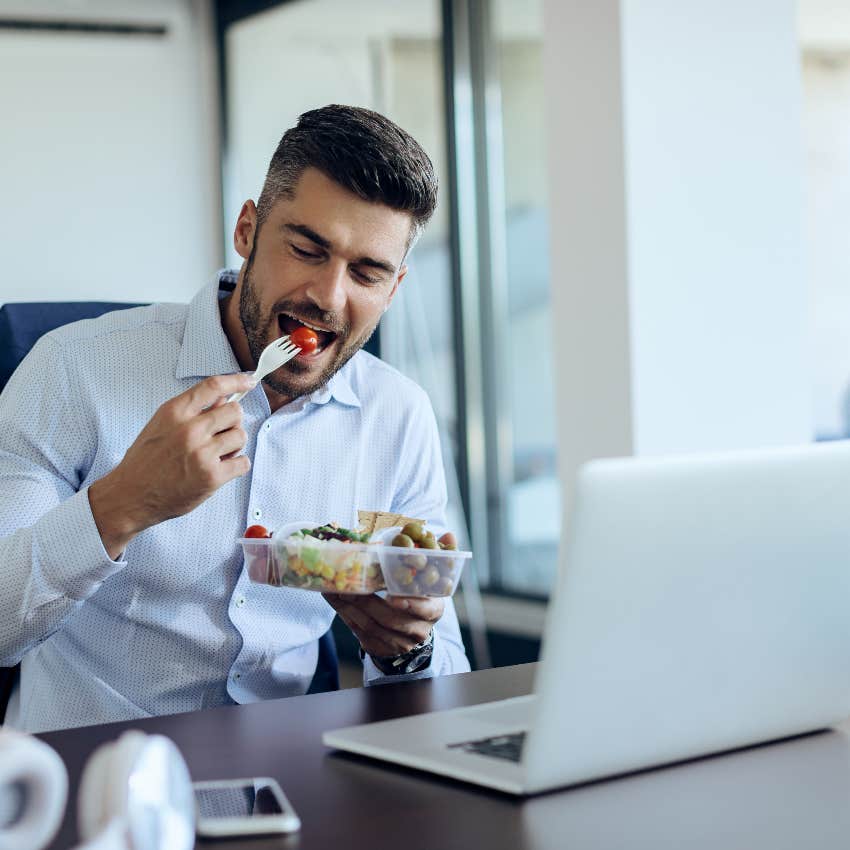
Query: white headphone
[[33, 789], [137, 787], [135, 794]]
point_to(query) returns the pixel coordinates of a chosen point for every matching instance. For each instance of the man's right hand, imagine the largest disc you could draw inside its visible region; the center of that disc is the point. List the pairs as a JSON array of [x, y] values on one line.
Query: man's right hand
[[181, 457]]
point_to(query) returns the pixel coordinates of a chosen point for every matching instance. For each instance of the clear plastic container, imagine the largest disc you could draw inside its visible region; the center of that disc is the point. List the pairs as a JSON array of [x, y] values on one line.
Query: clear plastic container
[[419, 572], [326, 566]]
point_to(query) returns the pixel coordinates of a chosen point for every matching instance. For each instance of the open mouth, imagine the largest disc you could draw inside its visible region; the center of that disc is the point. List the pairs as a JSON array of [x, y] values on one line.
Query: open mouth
[[290, 323]]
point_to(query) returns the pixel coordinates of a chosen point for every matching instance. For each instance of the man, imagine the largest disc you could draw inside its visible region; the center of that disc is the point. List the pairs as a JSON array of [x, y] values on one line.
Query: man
[[125, 480]]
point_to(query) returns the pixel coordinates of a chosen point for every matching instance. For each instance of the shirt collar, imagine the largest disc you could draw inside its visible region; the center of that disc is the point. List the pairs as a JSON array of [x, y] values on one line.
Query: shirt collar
[[206, 350], [339, 388]]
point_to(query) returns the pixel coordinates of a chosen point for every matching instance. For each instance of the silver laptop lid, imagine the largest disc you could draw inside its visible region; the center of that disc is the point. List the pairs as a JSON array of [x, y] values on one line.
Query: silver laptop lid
[[703, 603]]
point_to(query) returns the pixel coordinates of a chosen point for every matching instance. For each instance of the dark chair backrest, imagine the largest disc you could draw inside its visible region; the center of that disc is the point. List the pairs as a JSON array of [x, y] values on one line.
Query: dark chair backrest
[[21, 326]]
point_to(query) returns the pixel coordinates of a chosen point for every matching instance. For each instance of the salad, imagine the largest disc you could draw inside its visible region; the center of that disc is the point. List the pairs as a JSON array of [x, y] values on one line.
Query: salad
[[404, 559], [327, 558]]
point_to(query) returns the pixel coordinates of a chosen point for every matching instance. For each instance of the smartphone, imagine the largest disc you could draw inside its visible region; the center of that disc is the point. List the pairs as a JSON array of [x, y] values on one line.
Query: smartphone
[[242, 807]]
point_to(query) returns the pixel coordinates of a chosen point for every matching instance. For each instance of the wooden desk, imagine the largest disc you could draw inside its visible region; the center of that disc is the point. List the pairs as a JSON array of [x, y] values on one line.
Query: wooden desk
[[790, 795]]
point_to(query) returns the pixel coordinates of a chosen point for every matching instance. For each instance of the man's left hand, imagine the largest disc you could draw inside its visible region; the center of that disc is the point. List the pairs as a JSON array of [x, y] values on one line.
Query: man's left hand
[[390, 626]]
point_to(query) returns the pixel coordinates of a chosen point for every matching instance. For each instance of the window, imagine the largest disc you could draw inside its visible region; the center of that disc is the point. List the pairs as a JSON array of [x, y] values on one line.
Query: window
[[532, 504], [826, 125], [471, 321], [513, 493]]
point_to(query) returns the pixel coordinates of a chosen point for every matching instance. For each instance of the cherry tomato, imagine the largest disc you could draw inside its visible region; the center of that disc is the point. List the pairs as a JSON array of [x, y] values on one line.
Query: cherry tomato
[[305, 339], [257, 531]]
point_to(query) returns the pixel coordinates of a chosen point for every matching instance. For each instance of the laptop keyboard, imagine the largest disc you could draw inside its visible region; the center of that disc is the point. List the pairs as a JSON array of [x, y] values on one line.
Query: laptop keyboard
[[508, 747]]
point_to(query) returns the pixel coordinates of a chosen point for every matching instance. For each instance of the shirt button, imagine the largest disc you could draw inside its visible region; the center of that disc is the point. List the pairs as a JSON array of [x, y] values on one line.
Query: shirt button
[[240, 601], [257, 513], [268, 426], [237, 676]]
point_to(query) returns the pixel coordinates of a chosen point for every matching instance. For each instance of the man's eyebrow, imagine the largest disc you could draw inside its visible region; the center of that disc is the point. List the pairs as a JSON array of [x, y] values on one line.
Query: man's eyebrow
[[309, 233], [383, 265]]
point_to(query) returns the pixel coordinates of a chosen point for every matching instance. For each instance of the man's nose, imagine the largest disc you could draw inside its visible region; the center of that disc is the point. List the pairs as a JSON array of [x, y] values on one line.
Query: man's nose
[[327, 288]]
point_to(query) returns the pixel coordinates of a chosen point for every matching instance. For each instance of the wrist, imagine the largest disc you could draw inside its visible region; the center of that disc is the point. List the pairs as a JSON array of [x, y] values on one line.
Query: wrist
[[416, 659], [115, 514]]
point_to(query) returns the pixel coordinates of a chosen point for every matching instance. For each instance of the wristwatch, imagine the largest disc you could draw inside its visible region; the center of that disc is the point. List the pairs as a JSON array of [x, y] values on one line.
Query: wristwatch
[[416, 658]]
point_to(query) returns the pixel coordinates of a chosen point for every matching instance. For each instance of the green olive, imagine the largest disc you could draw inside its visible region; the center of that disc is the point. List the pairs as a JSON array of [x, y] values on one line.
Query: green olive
[[428, 541], [416, 562], [403, 540], [413, 530], [403, 575]]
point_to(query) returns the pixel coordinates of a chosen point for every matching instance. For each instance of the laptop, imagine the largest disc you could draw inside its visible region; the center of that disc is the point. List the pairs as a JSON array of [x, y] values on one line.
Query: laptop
[[702, 604]]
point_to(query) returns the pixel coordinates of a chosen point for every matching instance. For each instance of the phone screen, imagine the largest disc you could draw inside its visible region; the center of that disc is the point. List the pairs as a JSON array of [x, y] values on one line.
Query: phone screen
[[237, 801], [242, 806]]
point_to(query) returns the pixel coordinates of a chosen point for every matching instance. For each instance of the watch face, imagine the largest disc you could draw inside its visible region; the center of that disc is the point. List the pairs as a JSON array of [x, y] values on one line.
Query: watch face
[[418, 658], [419, 661]]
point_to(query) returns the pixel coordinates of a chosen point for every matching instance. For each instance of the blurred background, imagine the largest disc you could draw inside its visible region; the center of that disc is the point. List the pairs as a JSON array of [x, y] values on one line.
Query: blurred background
[[133, 132]]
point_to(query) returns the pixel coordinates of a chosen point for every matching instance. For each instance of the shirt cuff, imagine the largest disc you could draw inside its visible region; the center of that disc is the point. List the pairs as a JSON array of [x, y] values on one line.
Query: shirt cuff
[[72, 558]]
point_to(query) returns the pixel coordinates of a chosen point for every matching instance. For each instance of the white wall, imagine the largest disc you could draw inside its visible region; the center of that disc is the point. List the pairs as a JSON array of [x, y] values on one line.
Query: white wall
[[679, 300], [714, 188], [109, 156]]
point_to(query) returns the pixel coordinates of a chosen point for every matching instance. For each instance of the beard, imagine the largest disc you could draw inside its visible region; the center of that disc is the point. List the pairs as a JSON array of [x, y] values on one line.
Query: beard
[[295, 378]]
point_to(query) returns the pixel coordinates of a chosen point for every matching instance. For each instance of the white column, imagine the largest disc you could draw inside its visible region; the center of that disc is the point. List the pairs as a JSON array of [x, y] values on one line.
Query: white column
[[675, 163]]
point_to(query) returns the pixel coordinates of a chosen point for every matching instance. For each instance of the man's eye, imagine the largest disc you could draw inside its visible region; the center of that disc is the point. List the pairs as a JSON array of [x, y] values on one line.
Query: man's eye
[[308, 255], [365, 278]]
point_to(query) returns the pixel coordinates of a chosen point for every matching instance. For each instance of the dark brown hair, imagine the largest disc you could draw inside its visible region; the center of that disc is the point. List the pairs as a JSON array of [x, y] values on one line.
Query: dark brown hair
[[361, 150]]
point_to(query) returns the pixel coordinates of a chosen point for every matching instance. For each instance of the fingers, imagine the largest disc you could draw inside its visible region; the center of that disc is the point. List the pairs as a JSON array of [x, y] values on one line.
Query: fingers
[[369, 635], [206, 393], [353, 615], [449, 538], [218, 419], [233, 467], [388, 616], [226, 442], [429, 610], [379, 625]]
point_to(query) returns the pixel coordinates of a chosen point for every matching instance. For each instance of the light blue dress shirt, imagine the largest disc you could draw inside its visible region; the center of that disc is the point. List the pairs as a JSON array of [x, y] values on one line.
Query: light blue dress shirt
[[176, 625]]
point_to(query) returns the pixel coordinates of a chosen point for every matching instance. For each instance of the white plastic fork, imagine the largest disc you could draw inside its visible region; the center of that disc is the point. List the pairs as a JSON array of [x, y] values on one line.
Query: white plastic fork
[[274, 355]]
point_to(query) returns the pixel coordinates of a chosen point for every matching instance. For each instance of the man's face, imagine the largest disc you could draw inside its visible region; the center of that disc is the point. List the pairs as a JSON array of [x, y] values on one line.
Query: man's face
[[326, 259]]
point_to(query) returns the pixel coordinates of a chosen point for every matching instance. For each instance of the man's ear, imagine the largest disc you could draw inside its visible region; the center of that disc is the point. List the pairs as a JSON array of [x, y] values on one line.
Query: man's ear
[[400, 277], [246, 230]]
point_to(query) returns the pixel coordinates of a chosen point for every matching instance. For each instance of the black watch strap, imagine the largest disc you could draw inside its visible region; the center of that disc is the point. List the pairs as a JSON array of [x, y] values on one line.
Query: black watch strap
[[417, 658]]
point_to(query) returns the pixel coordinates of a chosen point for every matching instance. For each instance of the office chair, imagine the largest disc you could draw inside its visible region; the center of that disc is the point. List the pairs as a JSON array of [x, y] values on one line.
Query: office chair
[[21, 326]]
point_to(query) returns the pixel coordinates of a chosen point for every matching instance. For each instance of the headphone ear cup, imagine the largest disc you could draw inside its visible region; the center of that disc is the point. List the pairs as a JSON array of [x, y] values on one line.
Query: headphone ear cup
[[110, 816], [103, 789], [91, 798]]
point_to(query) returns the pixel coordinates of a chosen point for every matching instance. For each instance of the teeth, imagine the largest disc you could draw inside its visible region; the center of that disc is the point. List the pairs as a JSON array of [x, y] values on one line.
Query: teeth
[[308, 325]]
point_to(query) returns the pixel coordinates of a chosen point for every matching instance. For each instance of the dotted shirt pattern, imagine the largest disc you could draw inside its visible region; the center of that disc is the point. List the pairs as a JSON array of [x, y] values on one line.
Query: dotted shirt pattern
[[176, 625]]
